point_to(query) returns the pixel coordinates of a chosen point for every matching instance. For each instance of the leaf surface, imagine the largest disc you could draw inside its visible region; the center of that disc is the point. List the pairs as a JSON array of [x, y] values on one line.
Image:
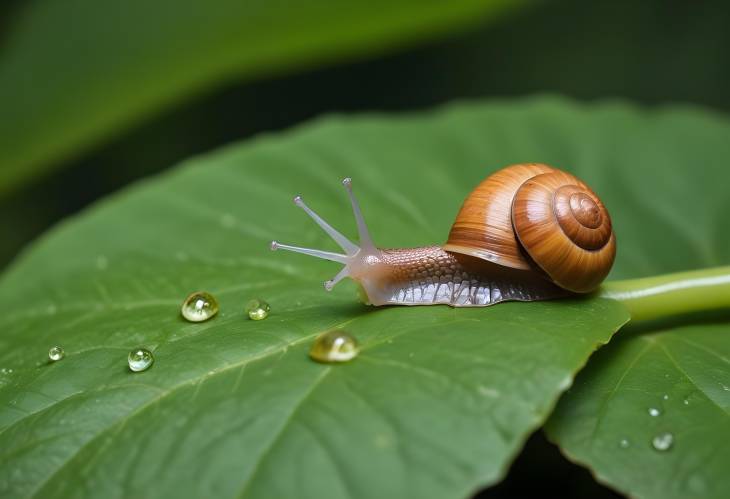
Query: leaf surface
[[439, 401], [437, 404]]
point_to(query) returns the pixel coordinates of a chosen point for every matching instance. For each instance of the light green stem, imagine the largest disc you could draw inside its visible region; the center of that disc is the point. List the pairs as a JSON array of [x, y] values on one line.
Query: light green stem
[[671, 294]]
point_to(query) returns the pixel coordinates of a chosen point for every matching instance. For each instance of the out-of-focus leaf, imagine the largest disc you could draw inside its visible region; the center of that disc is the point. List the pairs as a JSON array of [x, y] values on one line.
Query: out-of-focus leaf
[[73, 72]]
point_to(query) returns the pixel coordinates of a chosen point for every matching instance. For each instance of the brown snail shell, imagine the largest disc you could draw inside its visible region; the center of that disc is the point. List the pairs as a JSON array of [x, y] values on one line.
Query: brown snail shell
[[535, 217]]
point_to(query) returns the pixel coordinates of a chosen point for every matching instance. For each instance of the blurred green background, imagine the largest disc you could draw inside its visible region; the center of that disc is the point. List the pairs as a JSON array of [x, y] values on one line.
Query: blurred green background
[[651, 52]]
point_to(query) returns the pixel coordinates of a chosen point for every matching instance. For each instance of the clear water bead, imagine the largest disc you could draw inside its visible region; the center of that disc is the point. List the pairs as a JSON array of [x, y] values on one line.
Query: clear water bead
[[140, 359], [624, 443], [257, 309], [56, 353], [199, 306], [653, 411], [334, 346], [663, 441]]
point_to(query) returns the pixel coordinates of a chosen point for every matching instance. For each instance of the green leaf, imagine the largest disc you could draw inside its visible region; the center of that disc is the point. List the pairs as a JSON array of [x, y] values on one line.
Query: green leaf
[[672, 169], [437, 405], [681, 374], [74, 72]]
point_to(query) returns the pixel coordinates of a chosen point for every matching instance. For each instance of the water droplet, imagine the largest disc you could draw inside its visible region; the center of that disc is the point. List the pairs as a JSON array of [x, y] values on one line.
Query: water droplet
[[663, 441], [686, 401], [653, 411], [334, 346], [199, 306], [665, 397], [624, 443], [257, 309], [726, 388], [56, 353], [140, 359]]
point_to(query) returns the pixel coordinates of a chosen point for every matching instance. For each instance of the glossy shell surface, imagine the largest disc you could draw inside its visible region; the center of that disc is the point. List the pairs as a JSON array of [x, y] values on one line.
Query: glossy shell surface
[[483, 226], [566, 230]]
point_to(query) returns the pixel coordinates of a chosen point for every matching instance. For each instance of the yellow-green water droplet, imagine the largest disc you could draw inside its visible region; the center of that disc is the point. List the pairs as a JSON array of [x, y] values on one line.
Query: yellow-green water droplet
[[56, 353], [140, 359], [199, 306], [334, 346], [663, 441], [258, 309]]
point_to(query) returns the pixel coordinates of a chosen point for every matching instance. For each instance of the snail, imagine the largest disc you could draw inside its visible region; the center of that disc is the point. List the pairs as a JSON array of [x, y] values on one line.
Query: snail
[[527, 232]]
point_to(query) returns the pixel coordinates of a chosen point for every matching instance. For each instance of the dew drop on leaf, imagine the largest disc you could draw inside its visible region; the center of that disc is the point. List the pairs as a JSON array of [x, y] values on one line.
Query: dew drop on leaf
[[257, 309], [56, 353], [653, 411], [334, 346], [199, 306], [624, 443], [665, 397], [140, 359], [663, 441]]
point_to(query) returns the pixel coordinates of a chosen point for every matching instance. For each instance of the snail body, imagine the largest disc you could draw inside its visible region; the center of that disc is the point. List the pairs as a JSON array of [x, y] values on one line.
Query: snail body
[[527, 232]]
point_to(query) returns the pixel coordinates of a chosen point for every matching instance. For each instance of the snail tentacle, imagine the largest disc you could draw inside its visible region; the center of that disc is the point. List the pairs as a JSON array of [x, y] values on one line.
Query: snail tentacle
[[347, 246], [366, 242], [357, 260]]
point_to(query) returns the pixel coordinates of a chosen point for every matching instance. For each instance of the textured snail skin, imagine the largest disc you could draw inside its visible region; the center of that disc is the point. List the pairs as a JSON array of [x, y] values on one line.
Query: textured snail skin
[[429, 275]]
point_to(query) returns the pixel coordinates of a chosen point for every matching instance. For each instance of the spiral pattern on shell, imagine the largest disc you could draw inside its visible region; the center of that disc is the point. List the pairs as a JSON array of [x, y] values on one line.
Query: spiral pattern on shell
[[565, 229]]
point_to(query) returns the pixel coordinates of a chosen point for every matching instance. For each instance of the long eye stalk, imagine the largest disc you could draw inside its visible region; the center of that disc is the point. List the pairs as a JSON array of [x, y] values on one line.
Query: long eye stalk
[[351, 250]]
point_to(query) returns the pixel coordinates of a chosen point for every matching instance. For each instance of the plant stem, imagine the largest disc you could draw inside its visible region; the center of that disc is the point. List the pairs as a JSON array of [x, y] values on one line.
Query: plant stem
[[672, 294]]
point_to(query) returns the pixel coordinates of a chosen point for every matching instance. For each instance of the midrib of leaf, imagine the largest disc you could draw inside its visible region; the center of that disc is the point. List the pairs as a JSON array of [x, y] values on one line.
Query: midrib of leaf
[[122, 421], [165, 393], [280, 432], [609, 396], [654, 341], [684, 373]]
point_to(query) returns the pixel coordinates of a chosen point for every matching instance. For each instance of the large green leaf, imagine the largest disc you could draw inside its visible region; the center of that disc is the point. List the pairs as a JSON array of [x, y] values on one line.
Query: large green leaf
[[671, 384], [73, 72], [678, 177], [437, 404], [439, 401]]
